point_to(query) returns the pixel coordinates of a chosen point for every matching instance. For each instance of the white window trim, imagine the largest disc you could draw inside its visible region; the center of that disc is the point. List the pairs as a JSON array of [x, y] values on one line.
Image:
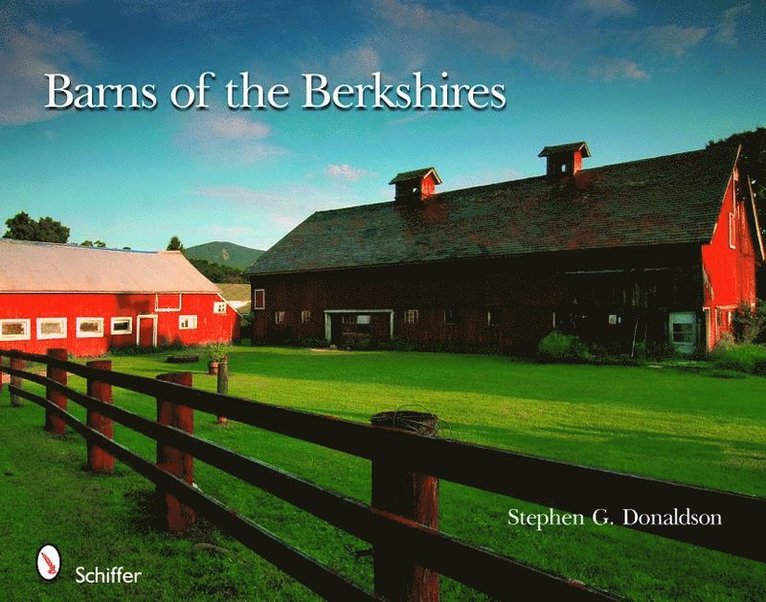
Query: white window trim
[[219, 307], [157, 307], [280, 316], [411, 316], [42, 336], [17, 337], [122, 332], [192, 319], [306, 316], [90, 335], [263, 296]]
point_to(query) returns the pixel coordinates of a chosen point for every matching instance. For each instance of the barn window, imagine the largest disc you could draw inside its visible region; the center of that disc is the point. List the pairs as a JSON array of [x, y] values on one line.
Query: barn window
[[219, 307], [450, 316], [122, 326], [305, 316], [14, 330], [363, 320], [732, 231], [683, 333], [187, 322], [279, 317], [411, 316], [90, 328], [348, 319], [51, 328], [494, 317], [259, 298]]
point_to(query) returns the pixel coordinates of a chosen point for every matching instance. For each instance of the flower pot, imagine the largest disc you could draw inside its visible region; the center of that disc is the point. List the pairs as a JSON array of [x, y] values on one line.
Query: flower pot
[[212, 367]]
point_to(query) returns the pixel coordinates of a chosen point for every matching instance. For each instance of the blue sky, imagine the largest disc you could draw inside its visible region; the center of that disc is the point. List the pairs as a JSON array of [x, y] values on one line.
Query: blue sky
[[635, 79]]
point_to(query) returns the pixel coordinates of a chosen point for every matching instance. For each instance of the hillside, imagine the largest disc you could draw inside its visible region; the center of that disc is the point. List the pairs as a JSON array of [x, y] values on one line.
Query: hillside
[[224, 253]]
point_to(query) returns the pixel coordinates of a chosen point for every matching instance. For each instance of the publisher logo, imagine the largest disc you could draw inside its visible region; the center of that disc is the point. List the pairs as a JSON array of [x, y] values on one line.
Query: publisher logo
[[48, 562]]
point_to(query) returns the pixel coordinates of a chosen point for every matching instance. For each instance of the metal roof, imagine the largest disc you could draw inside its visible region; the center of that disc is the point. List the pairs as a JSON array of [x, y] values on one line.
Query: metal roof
[[37, 267]]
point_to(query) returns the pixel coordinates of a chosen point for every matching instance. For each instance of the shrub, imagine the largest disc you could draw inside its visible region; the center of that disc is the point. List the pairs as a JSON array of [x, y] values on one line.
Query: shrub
[[750, 322], [559, 347], [746, 357]]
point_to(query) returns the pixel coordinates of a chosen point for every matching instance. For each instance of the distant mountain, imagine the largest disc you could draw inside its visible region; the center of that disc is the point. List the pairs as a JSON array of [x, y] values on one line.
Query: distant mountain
[[224, 253]]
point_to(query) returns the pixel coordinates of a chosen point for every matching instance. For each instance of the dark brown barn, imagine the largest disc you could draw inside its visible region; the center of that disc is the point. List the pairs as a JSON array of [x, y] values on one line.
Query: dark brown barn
[[657, 250]]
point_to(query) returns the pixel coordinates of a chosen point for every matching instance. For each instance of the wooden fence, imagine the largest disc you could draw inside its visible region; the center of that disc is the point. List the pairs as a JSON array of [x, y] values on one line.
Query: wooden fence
[[406, 552]]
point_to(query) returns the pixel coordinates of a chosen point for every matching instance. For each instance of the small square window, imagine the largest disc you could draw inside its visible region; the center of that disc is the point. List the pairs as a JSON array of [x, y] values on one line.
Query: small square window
[[279, 317], [411, 316], [306, 316], [14, 330], [363, 320], [259, 298], [122, 326], [219, 307], [51, 328], [90, 328], [187, 322], [348, 319]]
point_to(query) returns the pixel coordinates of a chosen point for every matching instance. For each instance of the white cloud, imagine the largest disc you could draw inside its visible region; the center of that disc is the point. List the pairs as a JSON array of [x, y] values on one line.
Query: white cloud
[[615, 69], [345, 171], [26, 55], [355, 62], [727, 29], [605, 8], [226, 138], [671, 40]]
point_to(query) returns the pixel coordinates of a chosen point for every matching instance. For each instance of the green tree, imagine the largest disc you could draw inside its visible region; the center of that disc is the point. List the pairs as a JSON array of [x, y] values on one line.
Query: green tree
[[46, 229], [175, 244], [99, 244]]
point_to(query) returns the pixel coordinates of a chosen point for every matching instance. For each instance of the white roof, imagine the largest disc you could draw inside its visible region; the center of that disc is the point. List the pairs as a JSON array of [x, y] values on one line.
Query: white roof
[[38, 267]]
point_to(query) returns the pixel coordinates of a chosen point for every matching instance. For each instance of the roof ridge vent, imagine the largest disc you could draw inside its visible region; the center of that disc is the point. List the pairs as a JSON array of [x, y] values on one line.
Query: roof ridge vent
[[416, 186], [564, 159]]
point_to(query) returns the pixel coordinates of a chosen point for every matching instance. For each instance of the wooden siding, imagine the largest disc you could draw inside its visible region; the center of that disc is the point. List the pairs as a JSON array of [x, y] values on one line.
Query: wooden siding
[[497, 303], [211, 327]]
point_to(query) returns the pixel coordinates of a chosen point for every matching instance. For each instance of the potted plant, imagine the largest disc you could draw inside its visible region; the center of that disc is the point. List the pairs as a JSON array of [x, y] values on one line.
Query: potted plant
[[216, 353]]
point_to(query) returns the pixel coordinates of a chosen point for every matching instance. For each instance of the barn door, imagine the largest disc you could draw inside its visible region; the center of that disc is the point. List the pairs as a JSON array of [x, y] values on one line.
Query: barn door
[[146, 335]]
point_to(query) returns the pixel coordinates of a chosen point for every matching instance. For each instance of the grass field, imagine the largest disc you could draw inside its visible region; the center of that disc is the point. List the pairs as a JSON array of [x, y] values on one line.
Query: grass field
[[659, 422]]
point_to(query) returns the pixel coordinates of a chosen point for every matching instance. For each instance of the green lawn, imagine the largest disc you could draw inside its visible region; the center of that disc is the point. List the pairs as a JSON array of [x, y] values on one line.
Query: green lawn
[[658, 422]]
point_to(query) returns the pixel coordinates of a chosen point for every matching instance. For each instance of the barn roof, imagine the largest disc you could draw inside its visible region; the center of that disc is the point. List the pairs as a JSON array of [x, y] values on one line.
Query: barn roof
[[674, 199], [45, 267], [415, 174], [566, 148]]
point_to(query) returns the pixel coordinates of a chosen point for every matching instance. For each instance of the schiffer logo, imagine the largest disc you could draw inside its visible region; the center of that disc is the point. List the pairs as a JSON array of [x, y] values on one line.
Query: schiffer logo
[[48, 562]]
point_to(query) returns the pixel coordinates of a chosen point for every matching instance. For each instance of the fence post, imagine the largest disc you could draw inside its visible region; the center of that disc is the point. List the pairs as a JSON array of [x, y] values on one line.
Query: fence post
[[16, 381], [414, 496], [54, 424], [175, 516], [99, 460], [223, 384]]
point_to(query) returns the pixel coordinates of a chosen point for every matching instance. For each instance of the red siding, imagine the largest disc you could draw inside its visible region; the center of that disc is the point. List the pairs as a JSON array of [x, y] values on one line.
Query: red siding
[[729, 273], [211, 327]]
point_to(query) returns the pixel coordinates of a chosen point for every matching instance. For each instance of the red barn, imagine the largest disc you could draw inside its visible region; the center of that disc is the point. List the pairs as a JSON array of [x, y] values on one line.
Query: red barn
[[657, 251], [88, 300]]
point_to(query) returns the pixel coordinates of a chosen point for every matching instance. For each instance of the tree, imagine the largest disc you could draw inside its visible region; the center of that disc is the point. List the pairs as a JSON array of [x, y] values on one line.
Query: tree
[[100, 244], [175, 244], [46, 229]]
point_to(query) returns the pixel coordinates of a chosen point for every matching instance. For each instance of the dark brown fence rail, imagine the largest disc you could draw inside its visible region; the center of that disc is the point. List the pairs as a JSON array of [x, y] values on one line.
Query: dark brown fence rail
[[556, 484]]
